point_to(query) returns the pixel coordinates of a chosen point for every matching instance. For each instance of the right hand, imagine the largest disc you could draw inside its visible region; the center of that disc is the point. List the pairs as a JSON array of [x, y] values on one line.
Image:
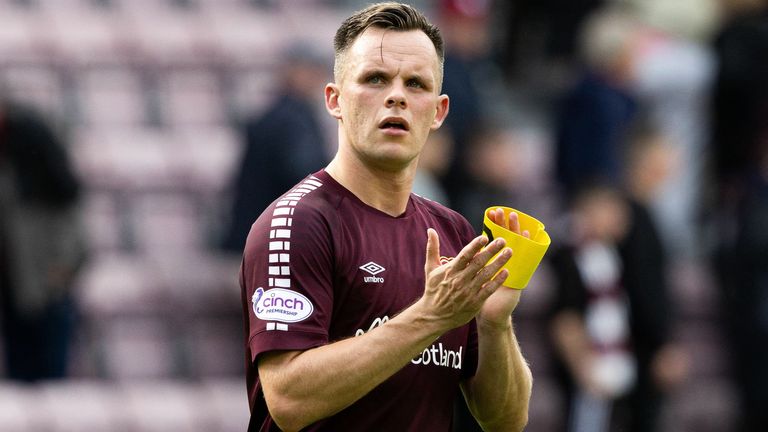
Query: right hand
[[455, 291]]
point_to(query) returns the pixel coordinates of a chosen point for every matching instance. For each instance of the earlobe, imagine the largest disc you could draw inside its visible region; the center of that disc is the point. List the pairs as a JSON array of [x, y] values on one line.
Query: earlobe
[[332, 100], [443, 105]]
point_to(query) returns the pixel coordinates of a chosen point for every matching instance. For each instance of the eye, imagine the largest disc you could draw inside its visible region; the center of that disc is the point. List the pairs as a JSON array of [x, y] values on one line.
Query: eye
[[414, 83], [375, 79]]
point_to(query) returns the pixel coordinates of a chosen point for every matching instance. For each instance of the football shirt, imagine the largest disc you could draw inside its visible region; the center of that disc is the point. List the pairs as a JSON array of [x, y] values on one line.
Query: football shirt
[[320, 266]]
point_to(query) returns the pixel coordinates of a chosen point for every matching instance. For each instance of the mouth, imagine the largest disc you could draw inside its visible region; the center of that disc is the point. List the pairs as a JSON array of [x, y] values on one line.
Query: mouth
[[394, 123]]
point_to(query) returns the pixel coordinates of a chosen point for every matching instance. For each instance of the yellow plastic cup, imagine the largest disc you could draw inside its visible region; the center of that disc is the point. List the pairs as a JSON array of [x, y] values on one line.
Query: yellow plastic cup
[[527, 253]]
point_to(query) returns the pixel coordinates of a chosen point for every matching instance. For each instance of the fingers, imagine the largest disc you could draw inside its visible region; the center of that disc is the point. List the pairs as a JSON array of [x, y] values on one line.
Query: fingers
[[494, 267], [476, 254], [458, 289], [465, 257], [470, 260], [473, 262], [433, 250], [492, 285], [514, 222], [477, 267], [497, 216]]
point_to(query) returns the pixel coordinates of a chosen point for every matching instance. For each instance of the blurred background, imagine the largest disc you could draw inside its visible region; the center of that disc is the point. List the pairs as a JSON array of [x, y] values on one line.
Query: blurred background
[[140, 138]]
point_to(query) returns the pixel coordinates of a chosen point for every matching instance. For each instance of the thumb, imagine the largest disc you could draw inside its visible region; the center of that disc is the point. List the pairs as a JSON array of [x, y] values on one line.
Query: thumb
[[433, 251]]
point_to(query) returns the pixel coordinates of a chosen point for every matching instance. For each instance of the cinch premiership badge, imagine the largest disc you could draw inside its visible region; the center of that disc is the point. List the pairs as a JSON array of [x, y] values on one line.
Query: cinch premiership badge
[[278, 304]]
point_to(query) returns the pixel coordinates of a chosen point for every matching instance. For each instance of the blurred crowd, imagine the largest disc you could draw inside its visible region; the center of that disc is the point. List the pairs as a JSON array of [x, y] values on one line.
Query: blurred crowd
[[637, 130]]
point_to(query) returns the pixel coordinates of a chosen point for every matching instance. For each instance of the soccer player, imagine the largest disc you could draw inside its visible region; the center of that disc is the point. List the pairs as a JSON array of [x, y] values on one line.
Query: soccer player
[[349, 323]]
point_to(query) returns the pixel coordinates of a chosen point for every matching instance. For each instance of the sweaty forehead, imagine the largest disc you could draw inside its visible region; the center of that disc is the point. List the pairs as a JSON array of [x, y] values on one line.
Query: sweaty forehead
[[378, 47]]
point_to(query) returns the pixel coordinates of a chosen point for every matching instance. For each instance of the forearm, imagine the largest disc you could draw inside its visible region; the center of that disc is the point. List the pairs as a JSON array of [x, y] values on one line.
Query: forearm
[[499, 393], [320, 382]]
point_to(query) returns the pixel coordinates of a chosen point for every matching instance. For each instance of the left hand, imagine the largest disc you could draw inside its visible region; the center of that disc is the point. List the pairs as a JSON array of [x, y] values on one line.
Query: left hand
[[498, 308]]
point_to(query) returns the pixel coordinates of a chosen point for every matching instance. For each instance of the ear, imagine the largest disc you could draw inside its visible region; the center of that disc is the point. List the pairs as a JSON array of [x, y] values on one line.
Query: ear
[[332, 96], [441, 113]]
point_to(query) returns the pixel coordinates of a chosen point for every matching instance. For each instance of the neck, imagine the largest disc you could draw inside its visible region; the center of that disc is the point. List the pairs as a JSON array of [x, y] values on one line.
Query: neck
[[387, 191]]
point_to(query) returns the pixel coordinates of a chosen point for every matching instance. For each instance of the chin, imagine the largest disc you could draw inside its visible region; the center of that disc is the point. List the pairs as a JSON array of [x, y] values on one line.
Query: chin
[[391, 162]]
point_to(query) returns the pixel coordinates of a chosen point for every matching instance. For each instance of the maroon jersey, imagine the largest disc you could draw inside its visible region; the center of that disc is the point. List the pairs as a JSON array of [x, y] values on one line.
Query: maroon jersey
[[320, 266]]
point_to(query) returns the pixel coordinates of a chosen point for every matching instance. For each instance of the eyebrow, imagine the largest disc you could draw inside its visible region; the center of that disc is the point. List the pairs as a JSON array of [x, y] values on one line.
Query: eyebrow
[[419, 77], [376, 70], [367, 72]]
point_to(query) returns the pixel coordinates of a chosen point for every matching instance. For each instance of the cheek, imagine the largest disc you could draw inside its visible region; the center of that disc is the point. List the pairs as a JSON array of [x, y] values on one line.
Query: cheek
[[426, 112], [352, 114], [360, 108]]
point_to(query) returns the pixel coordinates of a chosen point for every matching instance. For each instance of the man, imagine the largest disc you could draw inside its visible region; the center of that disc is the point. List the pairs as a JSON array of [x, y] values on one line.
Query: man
[[595, 114], [282, 145], [611, 320], [41, 246], [347, 326], [740, 161]]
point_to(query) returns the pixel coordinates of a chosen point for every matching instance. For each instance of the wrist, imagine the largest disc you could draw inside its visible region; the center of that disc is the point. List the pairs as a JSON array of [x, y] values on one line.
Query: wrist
[[492, 326], [425, 319]]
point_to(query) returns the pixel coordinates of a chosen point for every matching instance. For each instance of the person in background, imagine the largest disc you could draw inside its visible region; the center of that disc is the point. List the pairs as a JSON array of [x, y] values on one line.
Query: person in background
[[613, 318], [594, 116], [739, 101], [493, 174], [662, 362], [672, 79], [740, 147], [471, 80], [590, 316], [282, 145], [534, 35], [746, 300], [41, 246]]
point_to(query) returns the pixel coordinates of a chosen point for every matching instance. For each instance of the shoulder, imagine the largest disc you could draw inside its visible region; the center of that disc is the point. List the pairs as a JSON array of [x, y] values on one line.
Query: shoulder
[[309, 201], [298, 228]]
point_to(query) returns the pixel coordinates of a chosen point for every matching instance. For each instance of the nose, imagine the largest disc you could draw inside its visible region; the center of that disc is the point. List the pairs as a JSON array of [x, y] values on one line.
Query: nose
[[399, 101], [397, 98]]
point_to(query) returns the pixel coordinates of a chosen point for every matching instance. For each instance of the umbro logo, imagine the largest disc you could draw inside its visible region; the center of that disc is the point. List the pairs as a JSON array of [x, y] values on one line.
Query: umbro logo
[[373, 269]]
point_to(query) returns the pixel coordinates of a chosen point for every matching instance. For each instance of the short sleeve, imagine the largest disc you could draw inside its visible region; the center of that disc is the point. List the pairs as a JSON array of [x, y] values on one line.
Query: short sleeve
[[286, 279]]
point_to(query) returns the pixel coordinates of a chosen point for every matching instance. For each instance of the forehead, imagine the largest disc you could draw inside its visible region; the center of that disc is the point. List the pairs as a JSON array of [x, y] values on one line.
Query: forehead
[[377, 47]]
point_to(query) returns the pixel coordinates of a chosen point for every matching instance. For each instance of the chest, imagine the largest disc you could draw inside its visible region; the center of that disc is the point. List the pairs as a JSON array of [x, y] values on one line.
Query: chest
[[379, 270]]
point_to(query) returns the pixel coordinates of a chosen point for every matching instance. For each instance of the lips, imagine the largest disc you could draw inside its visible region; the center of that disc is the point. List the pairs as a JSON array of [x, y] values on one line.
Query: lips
[[394, 123]]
